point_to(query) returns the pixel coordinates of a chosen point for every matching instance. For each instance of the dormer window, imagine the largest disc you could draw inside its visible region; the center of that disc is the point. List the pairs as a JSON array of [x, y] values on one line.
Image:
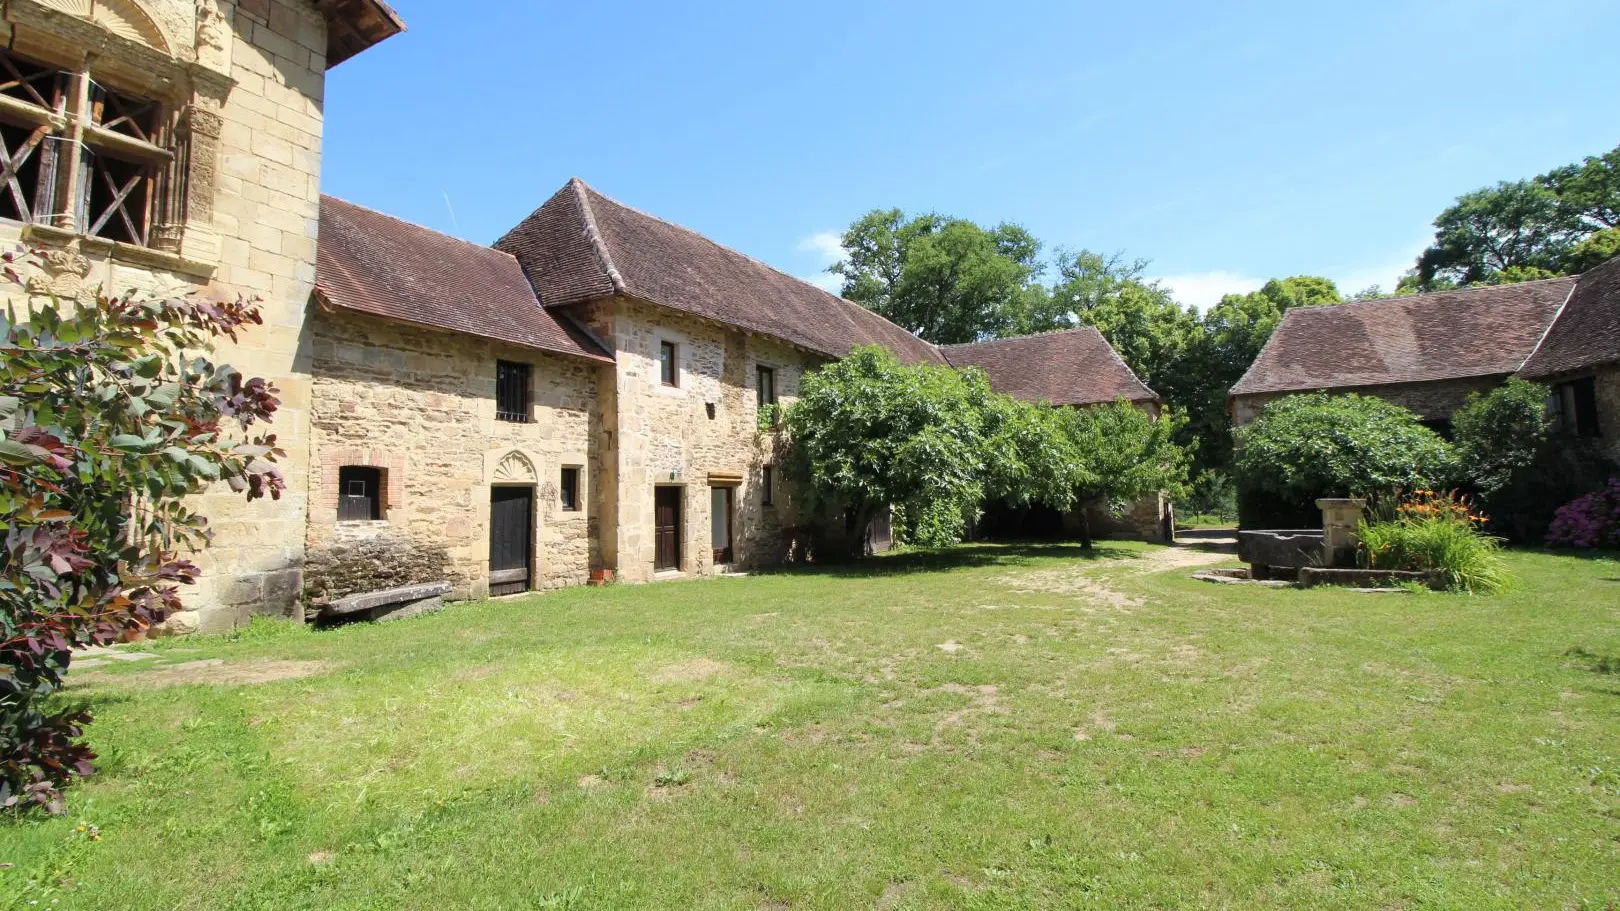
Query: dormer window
[[81, 156]]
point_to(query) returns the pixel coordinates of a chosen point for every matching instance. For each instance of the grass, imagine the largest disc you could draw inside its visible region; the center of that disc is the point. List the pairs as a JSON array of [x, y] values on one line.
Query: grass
[[1094, 734]]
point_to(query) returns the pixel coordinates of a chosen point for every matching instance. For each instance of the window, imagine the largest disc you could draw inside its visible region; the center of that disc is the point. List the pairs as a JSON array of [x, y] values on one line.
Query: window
[[668, 368], [1573, 408], [570, 490], [766, 387], [511, 392], [359, 494], [119, 180], [767, 483]]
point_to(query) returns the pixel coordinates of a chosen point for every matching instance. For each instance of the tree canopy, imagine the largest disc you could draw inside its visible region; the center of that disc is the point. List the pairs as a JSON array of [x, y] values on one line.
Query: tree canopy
[[869, 432]]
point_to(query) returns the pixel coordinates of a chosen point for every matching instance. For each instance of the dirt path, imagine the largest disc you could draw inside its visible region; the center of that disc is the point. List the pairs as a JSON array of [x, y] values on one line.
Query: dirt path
[[1200, 548]]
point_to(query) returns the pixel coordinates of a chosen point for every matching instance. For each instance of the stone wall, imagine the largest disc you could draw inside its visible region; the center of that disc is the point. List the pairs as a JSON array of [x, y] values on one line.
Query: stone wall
[[1608, 400], [420, 405], [251, 79], [1433, 401], [702, 432]]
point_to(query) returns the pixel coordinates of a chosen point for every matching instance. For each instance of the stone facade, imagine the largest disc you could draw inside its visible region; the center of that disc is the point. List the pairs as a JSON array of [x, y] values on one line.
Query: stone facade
[[248, 82], [419, 404], [700, 433], [1433, 401]]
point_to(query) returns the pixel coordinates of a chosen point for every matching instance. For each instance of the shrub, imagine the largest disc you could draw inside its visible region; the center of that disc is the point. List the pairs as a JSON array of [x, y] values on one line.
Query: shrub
[[1436, 533], [1306, 447], [1591, 521], [108, 421], [1500, 434]]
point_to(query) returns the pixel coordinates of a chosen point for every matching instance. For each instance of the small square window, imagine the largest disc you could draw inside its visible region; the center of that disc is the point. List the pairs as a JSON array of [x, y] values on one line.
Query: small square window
[[767, 483], [359, 494], [570, 490], [668, 367], [766, 386], [512, 392]]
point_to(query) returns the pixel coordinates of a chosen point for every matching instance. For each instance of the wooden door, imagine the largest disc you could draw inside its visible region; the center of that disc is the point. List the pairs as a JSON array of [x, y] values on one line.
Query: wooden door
[[667, 527], [511, 524]]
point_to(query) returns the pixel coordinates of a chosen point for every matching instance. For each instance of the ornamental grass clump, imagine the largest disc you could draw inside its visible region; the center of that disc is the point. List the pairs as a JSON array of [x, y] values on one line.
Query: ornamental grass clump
[[1436, 533]]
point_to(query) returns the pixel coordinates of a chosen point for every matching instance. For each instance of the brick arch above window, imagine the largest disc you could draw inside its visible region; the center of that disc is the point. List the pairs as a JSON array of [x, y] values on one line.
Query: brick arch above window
[[333, 461]]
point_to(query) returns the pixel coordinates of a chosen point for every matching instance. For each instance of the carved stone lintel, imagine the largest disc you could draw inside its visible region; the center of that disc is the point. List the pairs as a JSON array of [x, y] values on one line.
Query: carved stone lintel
[[64, 275]]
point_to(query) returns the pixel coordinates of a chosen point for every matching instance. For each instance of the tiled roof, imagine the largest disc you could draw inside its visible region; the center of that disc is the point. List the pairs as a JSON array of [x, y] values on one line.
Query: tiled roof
[[372, 263], [1077, 367], [1449, 335], [1587, 333], [582, 245], [353, 26]]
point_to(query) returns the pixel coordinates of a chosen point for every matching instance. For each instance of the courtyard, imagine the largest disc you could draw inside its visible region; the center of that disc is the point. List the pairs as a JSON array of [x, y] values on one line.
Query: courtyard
[[981, 727]]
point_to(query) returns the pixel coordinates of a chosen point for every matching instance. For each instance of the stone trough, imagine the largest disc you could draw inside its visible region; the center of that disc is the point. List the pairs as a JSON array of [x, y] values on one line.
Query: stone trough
[[389, 604]]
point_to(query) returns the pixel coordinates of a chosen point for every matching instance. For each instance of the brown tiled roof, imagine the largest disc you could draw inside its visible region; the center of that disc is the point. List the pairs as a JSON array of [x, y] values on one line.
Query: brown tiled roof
[[582, 246], [375, 264], [1587, 333], [353, 26], [1076, 367], [1449, 335]]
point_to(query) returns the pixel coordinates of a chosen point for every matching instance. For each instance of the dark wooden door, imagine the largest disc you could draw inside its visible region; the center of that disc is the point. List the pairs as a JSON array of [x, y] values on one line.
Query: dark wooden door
[[667, 527], [511, 523]]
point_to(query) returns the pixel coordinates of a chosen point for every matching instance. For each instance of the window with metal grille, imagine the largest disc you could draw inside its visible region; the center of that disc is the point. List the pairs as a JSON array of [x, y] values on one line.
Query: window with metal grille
[[570, 489], [79, 155], [767, 483], [512, 392], [766, 386], [668, 368], [359, 494]]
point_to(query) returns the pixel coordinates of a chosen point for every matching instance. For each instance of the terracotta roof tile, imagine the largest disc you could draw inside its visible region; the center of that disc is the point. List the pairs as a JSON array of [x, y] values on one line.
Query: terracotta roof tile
[[582, 245], [1448, 335], [376, 264], [1076, 367], [1587, 333]]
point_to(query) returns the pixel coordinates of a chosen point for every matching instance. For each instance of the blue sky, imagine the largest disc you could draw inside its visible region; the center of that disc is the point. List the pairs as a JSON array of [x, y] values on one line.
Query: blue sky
[[1226, 142]]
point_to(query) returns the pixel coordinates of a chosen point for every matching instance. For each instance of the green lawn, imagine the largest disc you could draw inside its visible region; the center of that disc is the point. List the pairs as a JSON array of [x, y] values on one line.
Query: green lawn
[[1098, 733]]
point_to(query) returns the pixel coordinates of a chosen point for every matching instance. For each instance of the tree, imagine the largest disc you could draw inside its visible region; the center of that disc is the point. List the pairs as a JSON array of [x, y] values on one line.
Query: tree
[[1126, 454], [1500, 434], [1594, 251], [1514, 224], [946, 280], [108, 420], [1305, 447], [1589, 192]]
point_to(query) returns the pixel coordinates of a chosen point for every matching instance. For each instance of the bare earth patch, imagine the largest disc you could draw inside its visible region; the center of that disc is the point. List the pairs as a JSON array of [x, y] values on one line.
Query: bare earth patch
[[213, 672], [690, 671]]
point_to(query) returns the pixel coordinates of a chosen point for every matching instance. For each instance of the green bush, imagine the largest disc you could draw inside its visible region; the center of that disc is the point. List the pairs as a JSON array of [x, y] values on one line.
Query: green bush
[[1306, 447], [1437, 534]]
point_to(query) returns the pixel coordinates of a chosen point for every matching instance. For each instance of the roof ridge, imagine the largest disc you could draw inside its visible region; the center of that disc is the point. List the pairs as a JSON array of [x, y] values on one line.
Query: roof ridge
[[1429, 295], [758, 262], [1018, 338], [418, 227], [593, 233]]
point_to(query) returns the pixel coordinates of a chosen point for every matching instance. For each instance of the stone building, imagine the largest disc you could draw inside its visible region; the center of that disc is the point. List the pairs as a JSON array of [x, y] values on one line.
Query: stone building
[[1580, 360], [1427, 352], [174, 146], [594, 395]]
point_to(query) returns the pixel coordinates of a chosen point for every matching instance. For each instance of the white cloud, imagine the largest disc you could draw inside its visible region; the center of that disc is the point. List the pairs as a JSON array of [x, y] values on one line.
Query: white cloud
[[1205, 289], [827, 245]]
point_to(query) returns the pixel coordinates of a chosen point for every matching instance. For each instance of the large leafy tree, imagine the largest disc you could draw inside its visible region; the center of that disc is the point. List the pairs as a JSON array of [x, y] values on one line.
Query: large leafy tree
[[1518, 224], [946, 280], [109, 419], [1589, 191], [1305, 447], [869, 432]]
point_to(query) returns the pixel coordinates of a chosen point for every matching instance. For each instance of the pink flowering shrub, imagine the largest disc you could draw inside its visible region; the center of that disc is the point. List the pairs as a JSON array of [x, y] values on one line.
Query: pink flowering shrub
[[1592, 521]]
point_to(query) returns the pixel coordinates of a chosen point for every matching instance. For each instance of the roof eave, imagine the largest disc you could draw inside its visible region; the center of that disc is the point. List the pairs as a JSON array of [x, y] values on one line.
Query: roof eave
[[330, 302], [355, 26]]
